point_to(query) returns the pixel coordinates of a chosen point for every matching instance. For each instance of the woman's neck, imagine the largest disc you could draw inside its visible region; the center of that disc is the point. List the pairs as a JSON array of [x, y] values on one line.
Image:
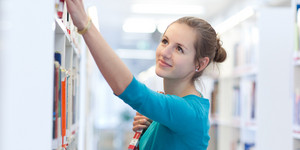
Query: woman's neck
[[179, 87]]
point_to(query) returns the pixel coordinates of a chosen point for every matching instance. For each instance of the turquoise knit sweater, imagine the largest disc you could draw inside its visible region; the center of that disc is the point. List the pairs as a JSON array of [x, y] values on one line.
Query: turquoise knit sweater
[[179, 123]]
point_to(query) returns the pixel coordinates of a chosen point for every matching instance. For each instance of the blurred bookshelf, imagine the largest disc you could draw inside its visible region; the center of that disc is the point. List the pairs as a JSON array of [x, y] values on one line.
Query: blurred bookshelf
[[295, 77], [66, 81], [245, 92]]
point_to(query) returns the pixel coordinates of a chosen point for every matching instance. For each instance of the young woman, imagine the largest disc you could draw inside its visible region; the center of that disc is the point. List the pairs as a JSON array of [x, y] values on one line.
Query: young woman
[[180, 116]]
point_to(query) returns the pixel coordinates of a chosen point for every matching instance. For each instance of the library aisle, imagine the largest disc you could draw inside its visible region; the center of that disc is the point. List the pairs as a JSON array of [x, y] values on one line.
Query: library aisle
[[53, 97]]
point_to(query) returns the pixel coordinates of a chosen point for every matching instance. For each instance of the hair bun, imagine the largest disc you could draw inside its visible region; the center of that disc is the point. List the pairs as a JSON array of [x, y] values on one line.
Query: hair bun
[[220, 54]]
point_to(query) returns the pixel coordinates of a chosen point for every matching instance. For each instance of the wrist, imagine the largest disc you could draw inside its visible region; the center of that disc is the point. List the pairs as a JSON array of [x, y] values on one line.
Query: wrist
[[82, 23], [85, 27]]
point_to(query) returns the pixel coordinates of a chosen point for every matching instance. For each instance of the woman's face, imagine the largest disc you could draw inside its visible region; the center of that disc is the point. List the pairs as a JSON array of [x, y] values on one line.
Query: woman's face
[[175, 54]]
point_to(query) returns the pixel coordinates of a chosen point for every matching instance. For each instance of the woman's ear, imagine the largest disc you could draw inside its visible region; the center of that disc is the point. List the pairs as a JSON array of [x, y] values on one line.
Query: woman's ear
[[201, 64]]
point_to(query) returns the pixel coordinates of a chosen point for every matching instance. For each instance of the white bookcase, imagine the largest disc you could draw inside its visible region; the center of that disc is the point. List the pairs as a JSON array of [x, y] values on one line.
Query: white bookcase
[[66, 45], [295, 77], [30, 35], [254, 99], [274, 104], [235, 117], [26, 80]]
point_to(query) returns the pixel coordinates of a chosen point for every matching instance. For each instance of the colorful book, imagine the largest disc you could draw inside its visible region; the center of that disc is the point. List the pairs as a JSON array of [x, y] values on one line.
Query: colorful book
[[69, 105], [54, 104], [63, 112], [56, 96]]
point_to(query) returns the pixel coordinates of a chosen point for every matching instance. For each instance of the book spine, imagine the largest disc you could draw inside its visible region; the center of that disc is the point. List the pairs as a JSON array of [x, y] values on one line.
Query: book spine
[[54, 104], [63, 112], [297, 33], [56, 100], [297, 107], [69, 122], [135, 140], [60, 8]]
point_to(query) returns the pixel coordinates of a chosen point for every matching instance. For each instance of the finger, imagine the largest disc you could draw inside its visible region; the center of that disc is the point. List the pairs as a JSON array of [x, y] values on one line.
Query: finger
[[139, 118], [135, 123], [138, 122], [139, 127], [141, 122], [138, 114], [149, 120], [147, 123]]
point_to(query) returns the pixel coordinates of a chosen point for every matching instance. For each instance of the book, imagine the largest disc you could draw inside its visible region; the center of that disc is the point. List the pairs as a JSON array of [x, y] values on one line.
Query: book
[[56, 97], [54, 113], [57, 94], [236, 101], [63, 112], [59, 7], [69, 104], [297, 107], [248, 99], [214, 100], [57, 101]]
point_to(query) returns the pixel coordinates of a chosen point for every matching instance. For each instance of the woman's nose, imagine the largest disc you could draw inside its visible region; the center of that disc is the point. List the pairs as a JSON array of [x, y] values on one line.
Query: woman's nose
[[167, 52]]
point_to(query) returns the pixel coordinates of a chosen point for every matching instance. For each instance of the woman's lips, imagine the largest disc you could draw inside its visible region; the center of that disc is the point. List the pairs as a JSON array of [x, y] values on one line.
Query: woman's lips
[[163, 63]]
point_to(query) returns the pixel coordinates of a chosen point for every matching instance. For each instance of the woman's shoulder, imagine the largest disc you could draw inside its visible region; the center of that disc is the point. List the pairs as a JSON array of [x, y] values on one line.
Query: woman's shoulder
[[197, 103], [196, 98]]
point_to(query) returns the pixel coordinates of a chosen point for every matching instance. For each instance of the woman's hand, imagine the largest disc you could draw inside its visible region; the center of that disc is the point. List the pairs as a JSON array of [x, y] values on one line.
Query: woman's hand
[[140, 122], [77, 12]]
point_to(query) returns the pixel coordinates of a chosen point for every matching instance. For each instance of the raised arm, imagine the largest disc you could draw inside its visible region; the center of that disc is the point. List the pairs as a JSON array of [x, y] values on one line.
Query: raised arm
[[110, 65]]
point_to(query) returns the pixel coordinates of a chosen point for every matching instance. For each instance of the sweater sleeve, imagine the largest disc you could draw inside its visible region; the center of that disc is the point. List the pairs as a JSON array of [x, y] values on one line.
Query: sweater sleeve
[[170, 110]]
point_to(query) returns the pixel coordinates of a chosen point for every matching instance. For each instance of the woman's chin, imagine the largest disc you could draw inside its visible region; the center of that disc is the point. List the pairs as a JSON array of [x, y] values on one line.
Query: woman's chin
[[159, 73]]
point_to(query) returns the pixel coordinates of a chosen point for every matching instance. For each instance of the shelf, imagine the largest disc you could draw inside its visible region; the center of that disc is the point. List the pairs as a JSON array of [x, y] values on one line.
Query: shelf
[[242, 71], [234, 123], [75, 48], [296, 58], [250, 125], [72, 142], [296, 136], [60, 28], [66, 82], [213, 121], [56, 142], [296, 132], [297, 63]]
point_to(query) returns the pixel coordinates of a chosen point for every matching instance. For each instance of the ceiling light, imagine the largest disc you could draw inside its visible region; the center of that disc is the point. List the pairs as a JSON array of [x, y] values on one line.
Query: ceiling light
[[136, 54], [139, 25], [235, 20], [175, 9], [162, 25]]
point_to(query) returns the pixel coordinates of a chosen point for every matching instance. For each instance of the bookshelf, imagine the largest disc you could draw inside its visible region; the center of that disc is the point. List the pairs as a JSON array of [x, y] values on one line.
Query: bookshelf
[[28, 45], [67, 59], [26, 63], [253, 90], [235, 117], [274, 79], [295, 78]]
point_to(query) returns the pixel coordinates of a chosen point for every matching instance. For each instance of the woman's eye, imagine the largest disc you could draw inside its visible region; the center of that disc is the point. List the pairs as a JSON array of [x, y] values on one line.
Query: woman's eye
[[180, 49], [164, 41]]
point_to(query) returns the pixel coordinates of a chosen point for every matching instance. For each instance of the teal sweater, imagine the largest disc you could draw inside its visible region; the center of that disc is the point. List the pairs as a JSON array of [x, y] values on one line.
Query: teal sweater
[[179, 123]]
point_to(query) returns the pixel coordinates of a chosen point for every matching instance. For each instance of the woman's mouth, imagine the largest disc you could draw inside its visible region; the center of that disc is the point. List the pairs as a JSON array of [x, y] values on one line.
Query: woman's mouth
[[163, 63]]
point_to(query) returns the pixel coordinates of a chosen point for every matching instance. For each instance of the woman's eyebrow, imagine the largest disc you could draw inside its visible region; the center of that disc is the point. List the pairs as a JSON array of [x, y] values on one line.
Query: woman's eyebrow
[[164, 36], [182, 45]]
